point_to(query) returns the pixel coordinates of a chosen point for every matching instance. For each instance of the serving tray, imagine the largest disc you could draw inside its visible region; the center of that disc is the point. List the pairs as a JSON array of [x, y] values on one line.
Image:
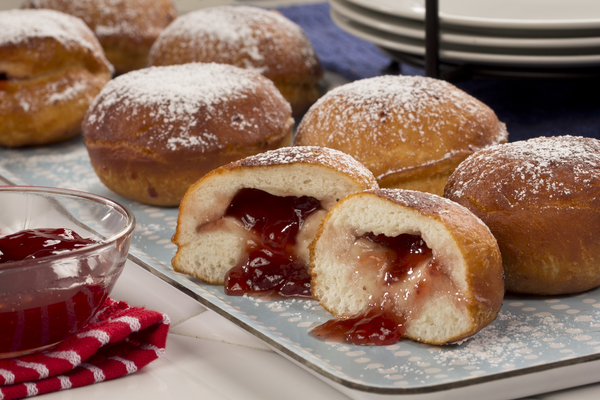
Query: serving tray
[[553, 340]]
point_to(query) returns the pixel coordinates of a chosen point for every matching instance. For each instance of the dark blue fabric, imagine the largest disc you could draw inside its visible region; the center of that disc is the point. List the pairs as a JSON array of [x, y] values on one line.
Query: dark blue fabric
[[529, 107]]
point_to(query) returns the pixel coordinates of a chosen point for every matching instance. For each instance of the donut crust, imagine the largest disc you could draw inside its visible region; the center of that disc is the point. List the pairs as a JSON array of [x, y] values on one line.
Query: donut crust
[[126, 29], [541, 200], [151, 147], [247, 37], [410, 131], [50, 76]]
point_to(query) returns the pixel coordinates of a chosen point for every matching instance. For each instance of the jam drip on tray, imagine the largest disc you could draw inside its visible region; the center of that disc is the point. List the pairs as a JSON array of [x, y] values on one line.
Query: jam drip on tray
[[380, 324], [272, 265]]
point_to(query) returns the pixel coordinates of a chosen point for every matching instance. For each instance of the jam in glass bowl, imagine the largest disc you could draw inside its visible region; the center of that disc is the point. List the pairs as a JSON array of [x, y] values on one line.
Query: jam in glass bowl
[[61, 252]]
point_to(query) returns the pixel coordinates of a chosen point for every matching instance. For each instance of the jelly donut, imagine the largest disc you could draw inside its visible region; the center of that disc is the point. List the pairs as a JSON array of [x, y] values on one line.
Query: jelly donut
[[126, 29], [152, 133], [410, 131], [541, 200], [248, 37], [248, 224], [392, 263], [51, 68]]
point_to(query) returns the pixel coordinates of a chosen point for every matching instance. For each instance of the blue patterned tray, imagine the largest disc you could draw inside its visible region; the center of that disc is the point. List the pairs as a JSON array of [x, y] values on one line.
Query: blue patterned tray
[[531, 335]]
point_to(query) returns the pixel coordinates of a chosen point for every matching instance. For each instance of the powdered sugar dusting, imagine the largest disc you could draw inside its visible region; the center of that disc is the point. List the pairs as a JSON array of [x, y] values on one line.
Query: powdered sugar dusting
[[242, 34], [368, 102], [107, 18], [549, 168], [19, 26], [176, 97], [313, 155], [400, 122]]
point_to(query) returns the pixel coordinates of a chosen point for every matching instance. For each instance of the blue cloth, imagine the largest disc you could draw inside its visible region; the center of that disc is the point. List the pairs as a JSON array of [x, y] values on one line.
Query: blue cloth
[[529, 107]]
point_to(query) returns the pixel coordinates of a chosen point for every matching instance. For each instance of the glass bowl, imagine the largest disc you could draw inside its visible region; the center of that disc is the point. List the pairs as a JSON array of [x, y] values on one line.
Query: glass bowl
[[45, 300]]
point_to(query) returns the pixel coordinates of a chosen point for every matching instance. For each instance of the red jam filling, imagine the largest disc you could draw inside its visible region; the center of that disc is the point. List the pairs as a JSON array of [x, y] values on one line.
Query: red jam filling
[[271, 266], [64, 311], [35, 243], [380, 324]]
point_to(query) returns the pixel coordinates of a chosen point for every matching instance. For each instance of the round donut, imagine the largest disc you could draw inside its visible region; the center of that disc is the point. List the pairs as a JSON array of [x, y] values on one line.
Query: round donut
[[126, 28], [51, 68], [153, 132], [248, 37], [415, 258], [410, 131], [541, 200]]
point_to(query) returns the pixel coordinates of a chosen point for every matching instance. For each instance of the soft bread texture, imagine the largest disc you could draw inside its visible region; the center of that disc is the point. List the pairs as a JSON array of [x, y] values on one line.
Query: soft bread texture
[[541, 200], [462, 299], [51, 68], [247, 37], [410, 131], [152, 133], [126, 29], [210, 245]]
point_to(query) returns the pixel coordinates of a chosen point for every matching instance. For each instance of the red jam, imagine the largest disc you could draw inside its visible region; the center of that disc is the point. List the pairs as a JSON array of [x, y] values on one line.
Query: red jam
[[35, 243], [272, 265], [33, 320], [379, 324], [37, 326], [405, 251]]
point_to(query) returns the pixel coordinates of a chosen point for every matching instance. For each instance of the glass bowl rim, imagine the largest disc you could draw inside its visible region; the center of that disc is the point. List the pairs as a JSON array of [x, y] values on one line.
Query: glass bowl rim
[[43, 261]]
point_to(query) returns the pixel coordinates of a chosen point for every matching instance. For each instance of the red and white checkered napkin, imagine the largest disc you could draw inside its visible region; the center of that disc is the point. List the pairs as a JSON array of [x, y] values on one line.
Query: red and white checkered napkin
[[120, 341]]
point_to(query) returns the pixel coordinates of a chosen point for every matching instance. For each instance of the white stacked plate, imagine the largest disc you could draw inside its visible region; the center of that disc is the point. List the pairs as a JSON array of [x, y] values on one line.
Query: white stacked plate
[[511, 37]]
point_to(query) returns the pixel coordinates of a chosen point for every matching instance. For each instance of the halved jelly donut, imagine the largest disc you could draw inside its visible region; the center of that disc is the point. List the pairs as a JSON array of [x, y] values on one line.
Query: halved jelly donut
[[248, 224], [392, 263]]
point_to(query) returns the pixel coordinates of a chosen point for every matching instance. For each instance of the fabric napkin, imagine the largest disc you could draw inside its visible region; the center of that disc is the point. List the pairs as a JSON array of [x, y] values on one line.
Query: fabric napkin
[[119, 341]]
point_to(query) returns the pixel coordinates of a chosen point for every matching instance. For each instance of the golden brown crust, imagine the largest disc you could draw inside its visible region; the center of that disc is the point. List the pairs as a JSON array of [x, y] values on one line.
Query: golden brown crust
[[540, 199], [481, 287], [53, 68], [152, 133], [247, 37], [126, 29], [411, 132]]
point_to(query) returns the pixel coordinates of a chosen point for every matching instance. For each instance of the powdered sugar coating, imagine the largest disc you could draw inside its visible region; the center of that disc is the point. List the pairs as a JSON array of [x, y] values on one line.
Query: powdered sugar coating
[[18, 27], [130, 18], [426, 202], [248, 37], [392, 123], [310, 155], [181, 98], [546, 168]]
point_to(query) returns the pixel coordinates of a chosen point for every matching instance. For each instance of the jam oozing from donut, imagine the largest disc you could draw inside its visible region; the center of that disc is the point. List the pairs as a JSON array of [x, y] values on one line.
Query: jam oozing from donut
[[36, 243], [272, 265], [404, 252], [398, 260]]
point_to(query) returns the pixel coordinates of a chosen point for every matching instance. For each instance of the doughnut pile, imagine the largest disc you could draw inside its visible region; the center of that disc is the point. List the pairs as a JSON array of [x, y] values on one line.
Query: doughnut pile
[[248, 224], [152, 133], [541, 200], [126, 28], [410, 131], [51, 68], [425, 266], [248, 37]]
